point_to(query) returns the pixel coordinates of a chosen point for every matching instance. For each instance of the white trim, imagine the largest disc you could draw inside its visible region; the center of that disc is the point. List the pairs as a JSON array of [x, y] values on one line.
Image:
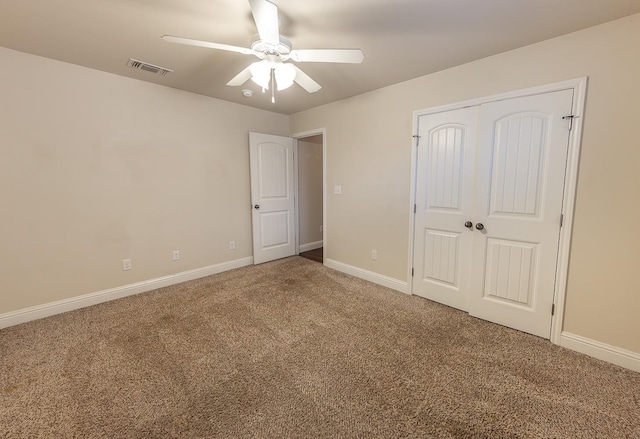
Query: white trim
[[601, 351], [296, 196], [310, 246], [376, 278], [412, 199], [302, 135], [579, 86], [58, 307], [531, 91], [568, 207]]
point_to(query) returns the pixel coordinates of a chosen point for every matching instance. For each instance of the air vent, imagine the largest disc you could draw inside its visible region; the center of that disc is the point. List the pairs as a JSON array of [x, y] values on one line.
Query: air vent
[[141, 65]]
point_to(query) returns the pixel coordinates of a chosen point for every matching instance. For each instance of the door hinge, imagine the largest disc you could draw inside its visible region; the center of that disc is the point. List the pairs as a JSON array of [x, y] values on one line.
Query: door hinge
[[412, 271], [561, 219], [570, 117], [553, 308], [415, 208], [417, 137]]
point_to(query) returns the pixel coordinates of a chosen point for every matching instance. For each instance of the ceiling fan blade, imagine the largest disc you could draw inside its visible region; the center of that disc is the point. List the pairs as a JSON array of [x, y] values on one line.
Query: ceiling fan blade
[[241, 77], [305, 81], [265, 15], [351, 56], [190, 42]]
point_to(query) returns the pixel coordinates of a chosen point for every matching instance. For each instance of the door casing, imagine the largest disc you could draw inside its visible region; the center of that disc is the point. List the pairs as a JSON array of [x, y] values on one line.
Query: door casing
[[296, 137], [579, 87]]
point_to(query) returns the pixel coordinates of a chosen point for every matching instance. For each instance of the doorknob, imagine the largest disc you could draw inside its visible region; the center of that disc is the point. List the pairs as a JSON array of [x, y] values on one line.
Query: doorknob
[[256, 207], [468, 224], [479, 226]]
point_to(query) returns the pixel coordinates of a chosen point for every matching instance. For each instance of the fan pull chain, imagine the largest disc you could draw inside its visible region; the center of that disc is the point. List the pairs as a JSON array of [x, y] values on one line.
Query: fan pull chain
[[273, 87]]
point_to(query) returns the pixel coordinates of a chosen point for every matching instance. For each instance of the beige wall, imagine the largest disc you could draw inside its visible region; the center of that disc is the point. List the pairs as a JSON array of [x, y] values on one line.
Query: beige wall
[[310, 189], [368, 153], [95, 168]]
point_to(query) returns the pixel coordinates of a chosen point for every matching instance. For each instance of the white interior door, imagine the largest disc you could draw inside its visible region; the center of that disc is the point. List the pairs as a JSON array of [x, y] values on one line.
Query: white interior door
[[272, 196], [522, 156], [444, 202]]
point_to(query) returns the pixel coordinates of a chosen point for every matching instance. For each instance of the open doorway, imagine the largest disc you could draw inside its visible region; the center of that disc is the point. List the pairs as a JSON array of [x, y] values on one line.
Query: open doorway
[[310, 196]]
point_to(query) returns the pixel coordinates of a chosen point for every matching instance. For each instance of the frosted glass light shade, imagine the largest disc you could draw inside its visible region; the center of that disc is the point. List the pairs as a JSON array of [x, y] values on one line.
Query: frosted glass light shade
[[285, 75], [261, 73]]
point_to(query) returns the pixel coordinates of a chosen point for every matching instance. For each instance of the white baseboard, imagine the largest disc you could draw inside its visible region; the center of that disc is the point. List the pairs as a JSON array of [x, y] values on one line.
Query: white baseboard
[[310, 246], [49, 309], [376, 278], [601, 351]]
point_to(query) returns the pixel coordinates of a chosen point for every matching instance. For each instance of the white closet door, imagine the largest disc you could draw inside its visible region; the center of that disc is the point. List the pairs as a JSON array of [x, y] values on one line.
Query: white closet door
[[521, 161], [444, 202]]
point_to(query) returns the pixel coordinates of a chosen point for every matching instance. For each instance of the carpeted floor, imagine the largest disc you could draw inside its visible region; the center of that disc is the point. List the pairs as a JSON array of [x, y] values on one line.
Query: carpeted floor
[[293, 349]]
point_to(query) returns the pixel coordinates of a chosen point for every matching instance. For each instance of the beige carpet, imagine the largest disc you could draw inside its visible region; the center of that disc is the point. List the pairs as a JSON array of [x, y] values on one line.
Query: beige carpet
[[293, 349]]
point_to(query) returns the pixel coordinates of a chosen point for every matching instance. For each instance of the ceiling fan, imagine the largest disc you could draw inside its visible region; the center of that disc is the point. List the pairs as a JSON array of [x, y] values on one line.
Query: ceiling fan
[[274, 50]]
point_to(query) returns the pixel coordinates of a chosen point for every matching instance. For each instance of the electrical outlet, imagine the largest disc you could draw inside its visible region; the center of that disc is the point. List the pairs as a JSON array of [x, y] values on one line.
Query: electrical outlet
[[232, 245], [337, 190], [175, 255], [126, 265], [374, 255]]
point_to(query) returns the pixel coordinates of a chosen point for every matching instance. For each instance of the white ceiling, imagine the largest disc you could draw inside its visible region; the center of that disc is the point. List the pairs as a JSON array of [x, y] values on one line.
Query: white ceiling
[[401, 39]]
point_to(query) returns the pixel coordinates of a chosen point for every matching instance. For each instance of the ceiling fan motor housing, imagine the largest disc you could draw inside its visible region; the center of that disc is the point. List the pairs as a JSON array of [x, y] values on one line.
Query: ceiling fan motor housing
[[263, 49]]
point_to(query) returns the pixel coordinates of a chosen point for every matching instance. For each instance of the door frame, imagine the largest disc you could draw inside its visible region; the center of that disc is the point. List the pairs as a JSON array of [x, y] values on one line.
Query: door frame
[[579, 87], [296, 137]]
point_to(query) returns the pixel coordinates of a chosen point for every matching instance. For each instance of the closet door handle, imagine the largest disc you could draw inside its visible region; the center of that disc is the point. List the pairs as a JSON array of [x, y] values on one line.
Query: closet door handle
[[256, 207], [479, 226], [468, 224]]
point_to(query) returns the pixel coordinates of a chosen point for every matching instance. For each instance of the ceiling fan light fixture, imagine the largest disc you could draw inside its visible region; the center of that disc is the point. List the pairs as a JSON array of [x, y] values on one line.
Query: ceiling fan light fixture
[[274, 50], [261, 74], [285, 75]]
